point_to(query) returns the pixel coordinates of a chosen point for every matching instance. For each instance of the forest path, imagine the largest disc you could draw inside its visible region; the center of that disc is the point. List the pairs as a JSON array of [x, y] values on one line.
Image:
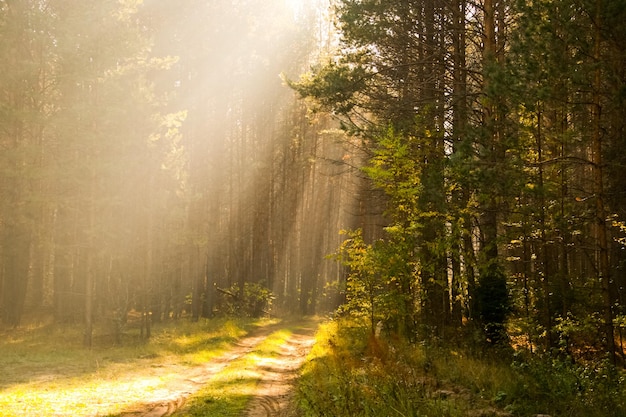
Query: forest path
[[276, 373], [279, 373]]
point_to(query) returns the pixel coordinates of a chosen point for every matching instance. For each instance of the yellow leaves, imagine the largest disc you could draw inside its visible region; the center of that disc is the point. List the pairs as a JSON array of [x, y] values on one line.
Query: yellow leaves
[[621, 226]]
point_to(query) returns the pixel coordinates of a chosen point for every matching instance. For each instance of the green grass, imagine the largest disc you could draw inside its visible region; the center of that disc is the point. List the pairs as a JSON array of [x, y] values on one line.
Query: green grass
[[45, 369], [351, 373]]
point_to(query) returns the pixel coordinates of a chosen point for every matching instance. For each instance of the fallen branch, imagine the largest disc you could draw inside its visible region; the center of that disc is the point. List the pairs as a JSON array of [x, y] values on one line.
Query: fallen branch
[[223, 291]]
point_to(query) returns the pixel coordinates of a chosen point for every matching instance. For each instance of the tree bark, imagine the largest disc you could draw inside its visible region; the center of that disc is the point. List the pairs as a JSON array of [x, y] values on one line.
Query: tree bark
[[604, 271]]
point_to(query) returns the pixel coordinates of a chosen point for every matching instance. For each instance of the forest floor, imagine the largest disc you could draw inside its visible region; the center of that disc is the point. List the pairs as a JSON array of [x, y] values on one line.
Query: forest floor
[[254, 371]]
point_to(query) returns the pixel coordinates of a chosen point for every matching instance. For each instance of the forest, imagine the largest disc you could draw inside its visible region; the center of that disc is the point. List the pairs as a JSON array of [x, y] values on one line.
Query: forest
[[437, 173], [152, 156], [493, 131]]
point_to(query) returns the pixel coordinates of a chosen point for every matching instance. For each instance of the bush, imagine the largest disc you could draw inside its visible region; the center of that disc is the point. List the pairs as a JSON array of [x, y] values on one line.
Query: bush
[[255, 300], [562, 387]]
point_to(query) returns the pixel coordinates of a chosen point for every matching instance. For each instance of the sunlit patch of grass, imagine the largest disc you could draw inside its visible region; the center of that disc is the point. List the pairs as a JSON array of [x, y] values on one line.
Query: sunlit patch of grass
[[46, 370], [270, 346], [226, 395], [77, 396], [196, 349]]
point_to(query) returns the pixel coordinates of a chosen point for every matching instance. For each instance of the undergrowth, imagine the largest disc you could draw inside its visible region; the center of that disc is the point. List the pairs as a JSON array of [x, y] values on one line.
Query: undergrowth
[[352, 373]]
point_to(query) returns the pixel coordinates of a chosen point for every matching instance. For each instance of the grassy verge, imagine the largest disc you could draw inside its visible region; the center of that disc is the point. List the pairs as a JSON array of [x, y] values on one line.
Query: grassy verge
[[351, 373], [46, 371]]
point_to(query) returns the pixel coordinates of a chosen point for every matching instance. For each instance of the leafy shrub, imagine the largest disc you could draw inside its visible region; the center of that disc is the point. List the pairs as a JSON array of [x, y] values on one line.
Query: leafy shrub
[[255, 300], [378, 283], [562, 387]]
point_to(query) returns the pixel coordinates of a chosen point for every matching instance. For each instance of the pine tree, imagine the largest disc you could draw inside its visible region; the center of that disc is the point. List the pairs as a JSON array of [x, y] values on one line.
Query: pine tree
[[26, 87]]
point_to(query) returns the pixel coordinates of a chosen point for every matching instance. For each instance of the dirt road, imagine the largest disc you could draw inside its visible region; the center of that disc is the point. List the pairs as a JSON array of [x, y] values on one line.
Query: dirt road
[[277, 374]]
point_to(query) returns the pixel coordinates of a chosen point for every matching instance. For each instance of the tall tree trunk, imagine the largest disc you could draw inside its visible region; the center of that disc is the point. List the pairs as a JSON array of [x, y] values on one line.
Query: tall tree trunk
[[90, 243], [490, 219], [544, 267], [459, 130], [604, 271], [492, 297]]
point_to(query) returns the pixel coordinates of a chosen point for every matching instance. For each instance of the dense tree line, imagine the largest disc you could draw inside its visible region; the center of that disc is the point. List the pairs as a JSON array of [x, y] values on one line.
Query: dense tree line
[[152, 160], [494, 129]]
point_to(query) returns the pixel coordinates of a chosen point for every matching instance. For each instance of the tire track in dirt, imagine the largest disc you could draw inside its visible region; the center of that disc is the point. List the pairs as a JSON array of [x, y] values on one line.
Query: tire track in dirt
[[277, 376]]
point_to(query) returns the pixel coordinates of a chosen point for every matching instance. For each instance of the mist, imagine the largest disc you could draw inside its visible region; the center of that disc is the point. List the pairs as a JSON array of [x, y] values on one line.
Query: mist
[[154, 161]]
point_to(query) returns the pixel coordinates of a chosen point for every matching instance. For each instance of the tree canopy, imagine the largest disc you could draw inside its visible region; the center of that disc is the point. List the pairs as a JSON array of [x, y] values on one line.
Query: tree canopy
[[492, 129], [153, 160]]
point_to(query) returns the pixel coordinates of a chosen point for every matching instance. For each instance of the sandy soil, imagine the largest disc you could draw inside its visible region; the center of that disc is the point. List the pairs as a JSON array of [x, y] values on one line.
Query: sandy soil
[[278, 376], [273, 393]]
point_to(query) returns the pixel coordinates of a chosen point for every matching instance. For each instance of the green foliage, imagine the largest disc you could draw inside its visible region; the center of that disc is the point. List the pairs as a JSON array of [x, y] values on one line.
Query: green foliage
[[566, 388], [579, 338], [364, 283], [333, 85], [352, 373], [393, 168], [255, 300], [378, 281]]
